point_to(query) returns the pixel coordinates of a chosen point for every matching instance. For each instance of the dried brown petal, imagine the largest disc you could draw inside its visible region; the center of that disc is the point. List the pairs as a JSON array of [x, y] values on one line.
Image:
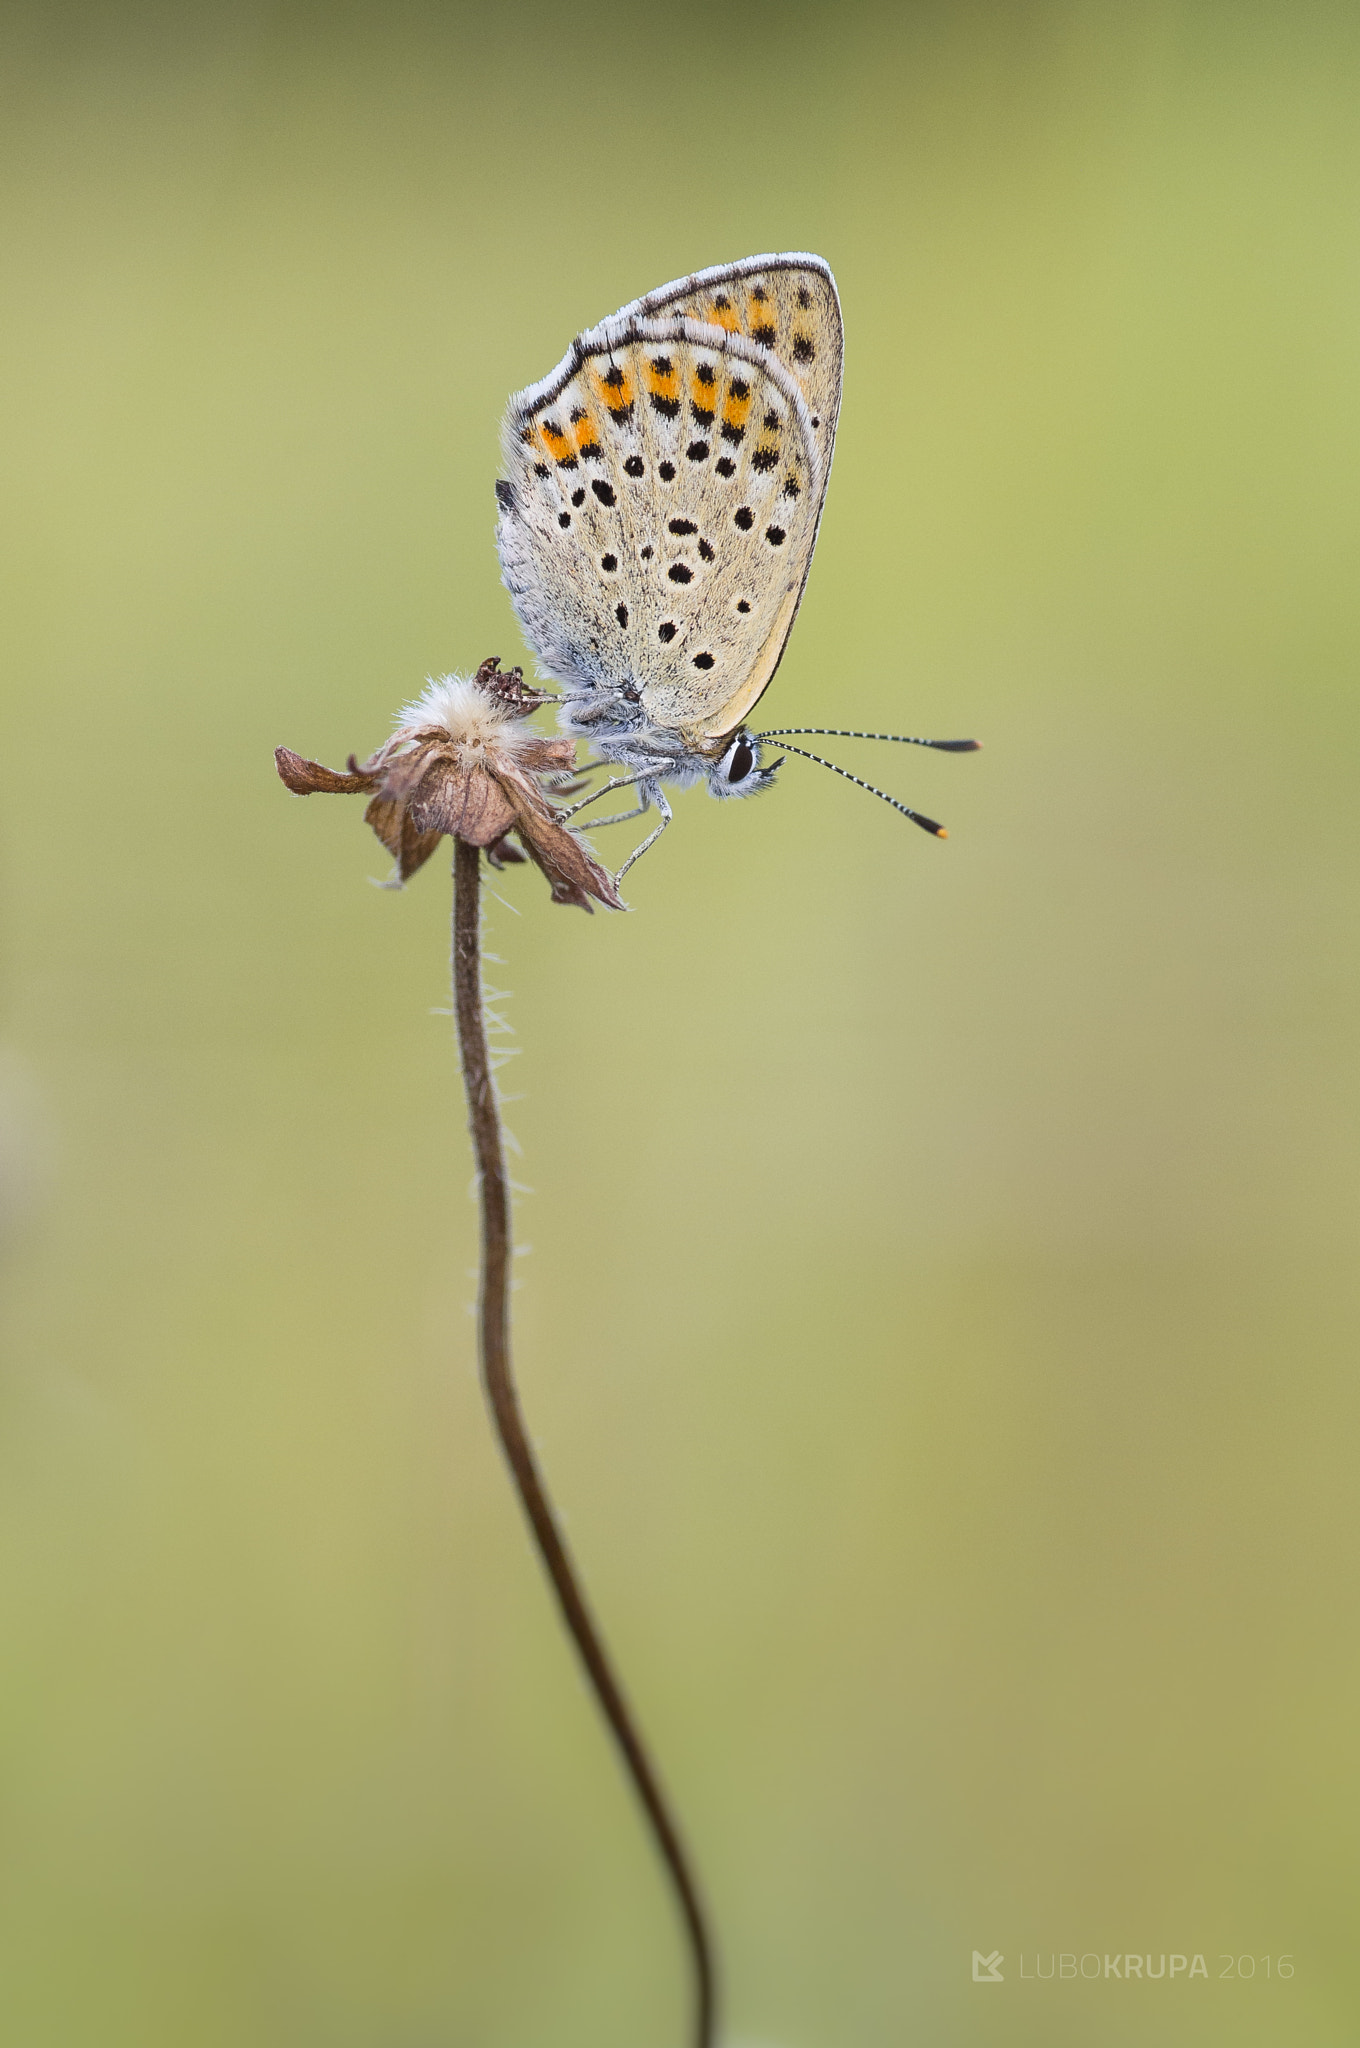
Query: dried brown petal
[[385, 818], [309, 778], [400, 772], [543, 755], [467, 803], [505, 854], [408, 847], [574, 876]]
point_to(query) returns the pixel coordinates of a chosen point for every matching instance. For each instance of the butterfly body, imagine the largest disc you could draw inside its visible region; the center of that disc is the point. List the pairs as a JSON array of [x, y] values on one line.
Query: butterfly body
[[660, 509]]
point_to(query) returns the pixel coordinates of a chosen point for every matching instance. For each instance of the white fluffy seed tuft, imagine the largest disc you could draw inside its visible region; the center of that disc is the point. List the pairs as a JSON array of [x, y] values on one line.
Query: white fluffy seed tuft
[[469, 715]]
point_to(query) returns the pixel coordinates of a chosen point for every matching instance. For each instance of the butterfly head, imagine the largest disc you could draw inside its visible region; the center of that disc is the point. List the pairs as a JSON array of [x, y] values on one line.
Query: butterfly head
[[738, 770]]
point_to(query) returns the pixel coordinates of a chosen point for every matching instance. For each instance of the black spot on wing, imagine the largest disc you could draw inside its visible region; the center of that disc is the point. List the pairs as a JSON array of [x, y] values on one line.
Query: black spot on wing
[[604, 492], [666, 472], [803, 351], [680, 573], [505, 496], [634, 466], [682, 526], [703, 661], [744, 517], [776, 536], [621, 614], [725, 465], [764, 334], [666, 632]]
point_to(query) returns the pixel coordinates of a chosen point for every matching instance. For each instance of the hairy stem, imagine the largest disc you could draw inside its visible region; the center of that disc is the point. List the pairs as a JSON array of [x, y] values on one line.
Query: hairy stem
[[494, 1346]]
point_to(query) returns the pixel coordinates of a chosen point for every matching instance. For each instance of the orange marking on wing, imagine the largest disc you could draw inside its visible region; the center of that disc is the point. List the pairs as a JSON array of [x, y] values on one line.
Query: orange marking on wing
[[724, 316], [614, 397], [663, 384], [763, 314], [555, 440], [586, 436], [735, 409]]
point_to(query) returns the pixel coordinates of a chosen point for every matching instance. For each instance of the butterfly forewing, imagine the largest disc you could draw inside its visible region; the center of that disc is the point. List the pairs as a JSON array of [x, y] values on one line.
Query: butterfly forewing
[[787, 304], [665, 485]]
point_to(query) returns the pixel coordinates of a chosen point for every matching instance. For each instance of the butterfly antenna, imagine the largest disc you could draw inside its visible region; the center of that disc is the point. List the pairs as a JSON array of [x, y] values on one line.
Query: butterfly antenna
[[901, 739], [917, 818]]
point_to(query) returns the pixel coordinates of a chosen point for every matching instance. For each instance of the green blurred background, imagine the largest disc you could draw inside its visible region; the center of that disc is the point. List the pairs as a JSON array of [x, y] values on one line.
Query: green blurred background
[[940, 1321]]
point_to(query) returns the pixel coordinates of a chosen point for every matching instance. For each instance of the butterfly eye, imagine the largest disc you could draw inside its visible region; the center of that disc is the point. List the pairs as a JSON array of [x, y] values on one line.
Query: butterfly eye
[[742, 761]]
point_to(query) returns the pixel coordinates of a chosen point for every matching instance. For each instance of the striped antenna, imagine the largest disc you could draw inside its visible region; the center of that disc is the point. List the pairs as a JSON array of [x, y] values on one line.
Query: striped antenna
[[926, 824], [901, 739]]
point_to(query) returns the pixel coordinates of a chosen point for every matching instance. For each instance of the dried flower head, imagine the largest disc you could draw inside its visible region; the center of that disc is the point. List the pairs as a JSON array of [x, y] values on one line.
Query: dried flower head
[[463, 763]]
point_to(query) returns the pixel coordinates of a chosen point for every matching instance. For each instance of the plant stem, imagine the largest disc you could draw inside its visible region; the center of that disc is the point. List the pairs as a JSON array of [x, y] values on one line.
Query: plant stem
[[493, 1328]]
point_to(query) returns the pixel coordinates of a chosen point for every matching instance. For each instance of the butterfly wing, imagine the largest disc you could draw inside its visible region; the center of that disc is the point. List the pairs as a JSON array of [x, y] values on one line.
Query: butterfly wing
[[665, 486], [787, 304]]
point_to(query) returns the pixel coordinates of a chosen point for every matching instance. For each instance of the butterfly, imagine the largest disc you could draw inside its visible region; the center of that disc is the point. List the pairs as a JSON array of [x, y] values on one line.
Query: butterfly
[[657, 521]]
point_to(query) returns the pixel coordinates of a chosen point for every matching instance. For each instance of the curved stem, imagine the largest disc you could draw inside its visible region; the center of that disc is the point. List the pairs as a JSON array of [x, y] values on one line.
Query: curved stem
[[494, 1345]]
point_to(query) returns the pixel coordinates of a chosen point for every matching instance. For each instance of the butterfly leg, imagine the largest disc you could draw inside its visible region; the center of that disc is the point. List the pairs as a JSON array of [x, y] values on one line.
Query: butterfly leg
[[651, 792], [619, 817], [642, 776]]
